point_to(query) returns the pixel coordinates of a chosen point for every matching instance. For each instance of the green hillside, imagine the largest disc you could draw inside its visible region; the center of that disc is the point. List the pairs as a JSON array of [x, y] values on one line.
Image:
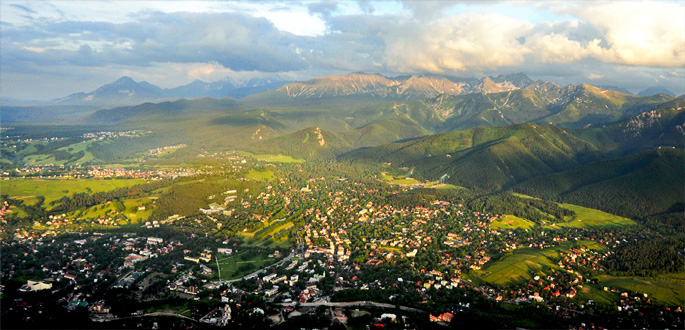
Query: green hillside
[[486, 157], [309, 143], [635, 186]]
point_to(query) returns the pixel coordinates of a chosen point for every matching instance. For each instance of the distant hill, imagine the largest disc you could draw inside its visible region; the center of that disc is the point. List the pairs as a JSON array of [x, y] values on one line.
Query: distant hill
[[56, 114], [157, 110], [655, 90], [616, 88], [126, 91]]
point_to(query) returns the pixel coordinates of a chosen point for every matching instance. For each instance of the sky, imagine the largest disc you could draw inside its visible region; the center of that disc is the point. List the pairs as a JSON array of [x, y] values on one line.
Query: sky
[[49, 49]]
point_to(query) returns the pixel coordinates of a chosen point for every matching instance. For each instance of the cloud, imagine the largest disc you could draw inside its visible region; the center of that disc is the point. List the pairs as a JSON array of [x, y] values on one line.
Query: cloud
[[23, 8], [237, 41], [568, 43], [635, 33]]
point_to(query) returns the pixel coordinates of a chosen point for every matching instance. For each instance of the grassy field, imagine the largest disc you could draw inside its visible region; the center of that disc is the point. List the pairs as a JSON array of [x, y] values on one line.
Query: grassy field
[[592, 245], [278, 158], [511, 222], [234, 266], [399, 179], [54, 189], [260, 175], [104, 210], [274, 229], [597, 294], [518, 265], [584, 218], [668, 289], [591, 218]]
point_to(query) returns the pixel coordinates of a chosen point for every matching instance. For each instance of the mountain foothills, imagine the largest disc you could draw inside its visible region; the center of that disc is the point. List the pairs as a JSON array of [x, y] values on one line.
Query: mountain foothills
[[345, 202]]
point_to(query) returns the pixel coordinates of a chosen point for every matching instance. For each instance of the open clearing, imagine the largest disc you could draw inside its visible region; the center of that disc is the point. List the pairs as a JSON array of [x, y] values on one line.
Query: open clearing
[[278, 158], [518, 265], [511, 222], [591, 218], [54, 189], [668, 289]]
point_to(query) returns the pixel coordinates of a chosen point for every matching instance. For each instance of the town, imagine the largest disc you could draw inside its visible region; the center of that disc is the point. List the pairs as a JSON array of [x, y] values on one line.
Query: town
[[334, 248]]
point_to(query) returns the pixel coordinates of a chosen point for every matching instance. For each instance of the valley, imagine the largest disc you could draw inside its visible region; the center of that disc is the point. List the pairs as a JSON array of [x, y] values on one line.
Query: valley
[[348, 198]]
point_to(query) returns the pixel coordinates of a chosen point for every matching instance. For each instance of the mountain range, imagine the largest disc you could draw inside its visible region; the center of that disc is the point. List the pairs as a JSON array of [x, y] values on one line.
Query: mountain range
[[355, 87], [126, 91], [576, 143]]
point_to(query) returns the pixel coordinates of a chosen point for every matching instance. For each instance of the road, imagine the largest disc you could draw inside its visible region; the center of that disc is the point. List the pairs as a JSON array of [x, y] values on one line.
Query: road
[[353, 303], [146, 315]]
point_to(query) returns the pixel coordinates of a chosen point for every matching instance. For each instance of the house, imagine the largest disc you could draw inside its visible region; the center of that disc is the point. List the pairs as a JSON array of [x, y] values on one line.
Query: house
[[35, 286], [271, 292], [206, 270], [206, 255], [225, 250], [446, 317], [282, 278], [154, 240]]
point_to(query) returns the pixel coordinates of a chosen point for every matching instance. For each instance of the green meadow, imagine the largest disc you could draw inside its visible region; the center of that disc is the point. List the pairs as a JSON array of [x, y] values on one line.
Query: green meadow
[[278, 158], [667, 289], [511, 222], [236, 266], [591, 218], [54, 189], [518, 264], [256, 175]]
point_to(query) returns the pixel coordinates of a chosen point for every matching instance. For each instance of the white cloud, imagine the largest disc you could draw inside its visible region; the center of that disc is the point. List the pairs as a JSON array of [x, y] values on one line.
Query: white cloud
[[645, 33], [210, 40], [460, 43]]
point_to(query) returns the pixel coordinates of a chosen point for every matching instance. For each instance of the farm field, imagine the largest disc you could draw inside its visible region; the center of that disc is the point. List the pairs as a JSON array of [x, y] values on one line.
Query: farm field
[[54, 189]]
